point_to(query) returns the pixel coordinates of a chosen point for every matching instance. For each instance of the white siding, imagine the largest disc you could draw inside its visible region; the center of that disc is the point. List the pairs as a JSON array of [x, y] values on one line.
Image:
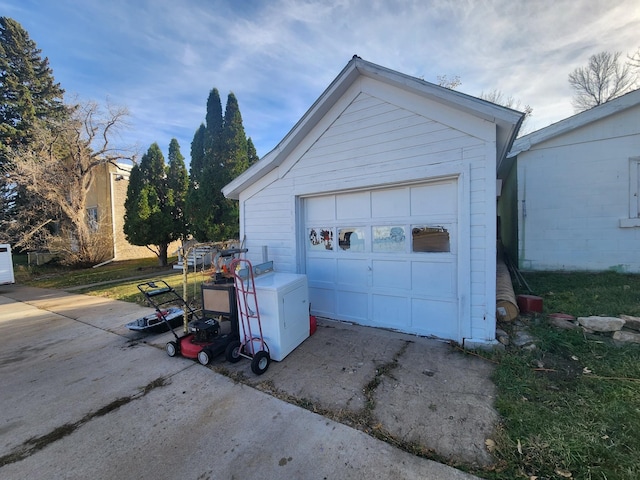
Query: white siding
[[378, 135], [573, 194]]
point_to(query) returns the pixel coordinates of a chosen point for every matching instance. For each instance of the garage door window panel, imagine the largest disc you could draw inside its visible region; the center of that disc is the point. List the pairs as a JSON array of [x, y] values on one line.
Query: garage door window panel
[[351, 239], [389, 239], [430, 238], [320, 238]]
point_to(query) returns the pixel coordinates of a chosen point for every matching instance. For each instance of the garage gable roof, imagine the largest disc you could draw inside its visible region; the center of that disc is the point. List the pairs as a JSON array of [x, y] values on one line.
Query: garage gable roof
[[578, 120], [507, 121]]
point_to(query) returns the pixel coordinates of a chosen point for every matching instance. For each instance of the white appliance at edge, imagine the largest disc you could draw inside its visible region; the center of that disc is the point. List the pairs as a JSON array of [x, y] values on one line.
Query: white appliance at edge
[[283, 302]]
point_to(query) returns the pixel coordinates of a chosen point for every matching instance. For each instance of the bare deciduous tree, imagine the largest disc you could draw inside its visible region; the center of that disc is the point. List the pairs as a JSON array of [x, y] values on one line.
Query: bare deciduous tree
[[634, 60], [450, 83], [496, 96], [58, 168], [603, 79]]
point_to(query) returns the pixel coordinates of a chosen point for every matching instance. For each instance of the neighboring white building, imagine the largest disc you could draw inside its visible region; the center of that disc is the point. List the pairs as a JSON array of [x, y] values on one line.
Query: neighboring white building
[[384, 195], [571, 196]]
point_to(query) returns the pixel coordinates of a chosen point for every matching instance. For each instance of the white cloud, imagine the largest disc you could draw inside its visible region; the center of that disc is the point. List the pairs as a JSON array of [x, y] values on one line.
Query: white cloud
[[162, 58]]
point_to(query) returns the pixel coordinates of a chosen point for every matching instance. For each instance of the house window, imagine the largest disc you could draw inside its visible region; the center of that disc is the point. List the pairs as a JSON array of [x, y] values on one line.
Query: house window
[[92, 218], [634, 195]]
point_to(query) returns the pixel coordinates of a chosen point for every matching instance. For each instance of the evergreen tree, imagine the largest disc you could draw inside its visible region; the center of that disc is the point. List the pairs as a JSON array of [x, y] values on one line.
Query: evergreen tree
[[234, 141], [28, 91], [225, 153], [235, 155], [252, 155], [214, 122], [205, 197], [178, 183], [29, 100], [195, 216], [197, 153], [150, 205]]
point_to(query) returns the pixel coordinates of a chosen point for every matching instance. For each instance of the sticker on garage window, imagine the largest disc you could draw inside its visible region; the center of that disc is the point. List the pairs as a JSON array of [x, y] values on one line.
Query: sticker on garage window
[[351, 239], [430, 239], [320, 238], [389, 239]]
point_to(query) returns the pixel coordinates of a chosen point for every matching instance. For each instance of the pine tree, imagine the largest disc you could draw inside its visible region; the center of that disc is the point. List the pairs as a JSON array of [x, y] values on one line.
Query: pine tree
[[149, 205], [194, 193], [178, 182], [235, 155], [214, 122], [28, 92], [234, 141], [252, 155], [29, 101], [224, 154], [203, 198]]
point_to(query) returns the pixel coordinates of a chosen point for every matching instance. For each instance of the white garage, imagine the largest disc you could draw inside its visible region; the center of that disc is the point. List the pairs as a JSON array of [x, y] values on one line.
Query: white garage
[[376, 271], [384, 195]]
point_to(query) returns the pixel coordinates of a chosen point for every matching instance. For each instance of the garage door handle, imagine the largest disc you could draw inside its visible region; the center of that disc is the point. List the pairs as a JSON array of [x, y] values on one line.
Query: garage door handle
[[369, 268]]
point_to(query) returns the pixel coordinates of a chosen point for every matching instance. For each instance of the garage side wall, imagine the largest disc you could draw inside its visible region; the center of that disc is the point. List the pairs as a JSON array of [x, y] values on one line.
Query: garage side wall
[[379, 136], [577, 198]]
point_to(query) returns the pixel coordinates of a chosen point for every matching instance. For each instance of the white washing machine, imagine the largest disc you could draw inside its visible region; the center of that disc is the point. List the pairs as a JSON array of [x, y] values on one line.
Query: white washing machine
[[283, 303]]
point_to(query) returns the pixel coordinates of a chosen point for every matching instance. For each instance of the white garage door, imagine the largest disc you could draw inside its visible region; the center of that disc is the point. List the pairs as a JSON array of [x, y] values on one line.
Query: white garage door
[[386, 258]]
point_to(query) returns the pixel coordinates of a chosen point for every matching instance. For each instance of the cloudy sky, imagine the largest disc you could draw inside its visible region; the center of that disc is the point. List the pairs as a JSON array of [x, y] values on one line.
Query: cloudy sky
[[161, 58]]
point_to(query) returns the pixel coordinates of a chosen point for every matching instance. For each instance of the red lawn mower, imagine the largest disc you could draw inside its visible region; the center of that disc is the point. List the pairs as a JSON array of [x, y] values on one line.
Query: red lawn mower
[[208, 337]]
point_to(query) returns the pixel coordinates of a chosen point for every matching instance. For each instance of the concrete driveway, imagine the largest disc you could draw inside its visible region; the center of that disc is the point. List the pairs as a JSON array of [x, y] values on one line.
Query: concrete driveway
[[83, 397]]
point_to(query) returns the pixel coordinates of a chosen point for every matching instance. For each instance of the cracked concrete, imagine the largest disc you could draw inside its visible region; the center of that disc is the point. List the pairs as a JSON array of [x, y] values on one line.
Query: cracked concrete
[[428, 394], [67, 360]]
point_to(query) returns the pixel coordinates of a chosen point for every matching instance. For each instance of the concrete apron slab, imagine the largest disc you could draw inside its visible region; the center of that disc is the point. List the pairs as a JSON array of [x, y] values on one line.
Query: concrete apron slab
[[206, 426], [412, 391], [54, 371], [342, 372]]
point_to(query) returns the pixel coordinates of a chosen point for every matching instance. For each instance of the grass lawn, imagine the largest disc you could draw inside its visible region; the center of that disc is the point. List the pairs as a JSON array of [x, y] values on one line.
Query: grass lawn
[[569, 409], [116, 280]]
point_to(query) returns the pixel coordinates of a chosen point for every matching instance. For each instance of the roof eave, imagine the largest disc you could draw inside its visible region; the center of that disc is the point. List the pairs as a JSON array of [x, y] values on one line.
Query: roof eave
[[576, 121], [507, 120]]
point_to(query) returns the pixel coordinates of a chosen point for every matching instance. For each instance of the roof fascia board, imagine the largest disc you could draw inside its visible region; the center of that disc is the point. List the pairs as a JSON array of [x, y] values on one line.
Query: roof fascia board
[[576, 121], [461, 101], [507, 120], [275, 157]]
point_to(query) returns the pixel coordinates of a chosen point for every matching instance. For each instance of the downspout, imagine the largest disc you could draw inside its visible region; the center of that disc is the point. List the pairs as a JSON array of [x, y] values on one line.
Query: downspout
[[113, 222], [523, 231]]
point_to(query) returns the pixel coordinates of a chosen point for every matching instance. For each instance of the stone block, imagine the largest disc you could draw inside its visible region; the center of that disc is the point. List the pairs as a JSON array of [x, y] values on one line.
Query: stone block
[[626, 337], [601, 324], [631, 322]]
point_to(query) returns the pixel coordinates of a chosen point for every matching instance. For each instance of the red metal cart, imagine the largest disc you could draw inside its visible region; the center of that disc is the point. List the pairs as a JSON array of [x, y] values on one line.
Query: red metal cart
[[251, 344]]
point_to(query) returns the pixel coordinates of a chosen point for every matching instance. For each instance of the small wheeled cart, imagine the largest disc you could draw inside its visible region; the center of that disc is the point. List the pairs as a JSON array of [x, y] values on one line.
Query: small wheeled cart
[[251, 343]]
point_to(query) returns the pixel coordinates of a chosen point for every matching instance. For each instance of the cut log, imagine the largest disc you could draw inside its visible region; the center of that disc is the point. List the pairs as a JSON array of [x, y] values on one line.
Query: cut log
[[506, 306]]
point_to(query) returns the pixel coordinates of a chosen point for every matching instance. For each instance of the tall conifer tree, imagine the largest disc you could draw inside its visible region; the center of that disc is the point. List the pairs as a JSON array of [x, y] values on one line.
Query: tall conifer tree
[[226, 153], [29, 97], [150, 205], [252, 154], [178, 183], [28, 91]]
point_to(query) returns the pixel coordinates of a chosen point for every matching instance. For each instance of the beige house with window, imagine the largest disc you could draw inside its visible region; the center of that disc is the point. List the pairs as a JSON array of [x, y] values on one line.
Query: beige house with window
[[105, 209]]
